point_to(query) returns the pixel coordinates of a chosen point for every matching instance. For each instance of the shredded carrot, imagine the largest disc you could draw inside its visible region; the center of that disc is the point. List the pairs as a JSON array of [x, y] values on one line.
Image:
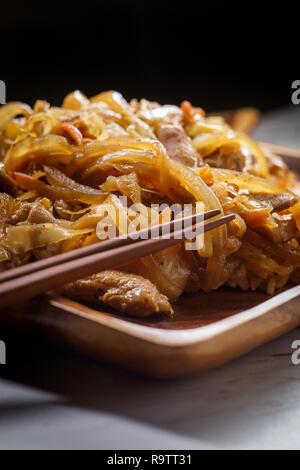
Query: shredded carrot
[[282, 182], [24, 178], [191, 112], [73, 132]]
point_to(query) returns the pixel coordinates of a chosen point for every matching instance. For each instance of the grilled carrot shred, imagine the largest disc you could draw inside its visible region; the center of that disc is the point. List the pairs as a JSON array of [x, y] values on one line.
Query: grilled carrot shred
[[73, 132], [190, 112]]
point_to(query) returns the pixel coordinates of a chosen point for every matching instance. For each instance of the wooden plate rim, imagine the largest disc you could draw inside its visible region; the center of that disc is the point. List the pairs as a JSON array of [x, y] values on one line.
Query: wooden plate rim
[[175, 338]]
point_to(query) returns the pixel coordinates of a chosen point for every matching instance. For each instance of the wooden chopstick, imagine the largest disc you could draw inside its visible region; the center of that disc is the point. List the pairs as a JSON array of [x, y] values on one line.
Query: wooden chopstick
[[281, 150], [35, 283], [105, 245]]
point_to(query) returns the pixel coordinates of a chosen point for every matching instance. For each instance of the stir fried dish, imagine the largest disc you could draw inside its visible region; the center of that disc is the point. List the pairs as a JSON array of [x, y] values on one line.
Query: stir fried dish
[[60, 165]]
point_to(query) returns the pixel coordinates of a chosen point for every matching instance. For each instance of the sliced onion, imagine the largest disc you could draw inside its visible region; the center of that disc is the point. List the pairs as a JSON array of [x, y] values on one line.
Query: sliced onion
[[10, 110], [80, 192], [254, 184], [50, 148], [48, 120], [207, 145], [23, 238]]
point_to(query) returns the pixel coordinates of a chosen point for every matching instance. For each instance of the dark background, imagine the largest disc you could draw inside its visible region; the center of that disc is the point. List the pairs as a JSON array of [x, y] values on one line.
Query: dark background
[[219, 55]]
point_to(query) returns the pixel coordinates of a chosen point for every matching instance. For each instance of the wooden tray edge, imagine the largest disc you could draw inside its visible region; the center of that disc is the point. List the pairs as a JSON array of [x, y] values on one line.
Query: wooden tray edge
[[157, 352]]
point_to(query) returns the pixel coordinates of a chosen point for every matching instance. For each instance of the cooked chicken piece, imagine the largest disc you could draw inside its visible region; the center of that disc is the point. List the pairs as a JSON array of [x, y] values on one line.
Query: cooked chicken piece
[[278, 202], [10, 261], [32, 213], [20, 213], [284, 251], [229, 157], [178, 144], [275, 163], [124, 292], [40, 215], [284, 230], [46, 251]]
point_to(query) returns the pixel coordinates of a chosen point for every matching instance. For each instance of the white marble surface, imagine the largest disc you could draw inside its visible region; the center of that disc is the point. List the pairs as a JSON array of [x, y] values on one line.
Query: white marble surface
[[51, 399]]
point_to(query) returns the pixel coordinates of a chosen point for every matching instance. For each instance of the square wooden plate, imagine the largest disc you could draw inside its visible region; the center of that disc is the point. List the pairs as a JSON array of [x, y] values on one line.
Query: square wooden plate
[[206, 331]]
